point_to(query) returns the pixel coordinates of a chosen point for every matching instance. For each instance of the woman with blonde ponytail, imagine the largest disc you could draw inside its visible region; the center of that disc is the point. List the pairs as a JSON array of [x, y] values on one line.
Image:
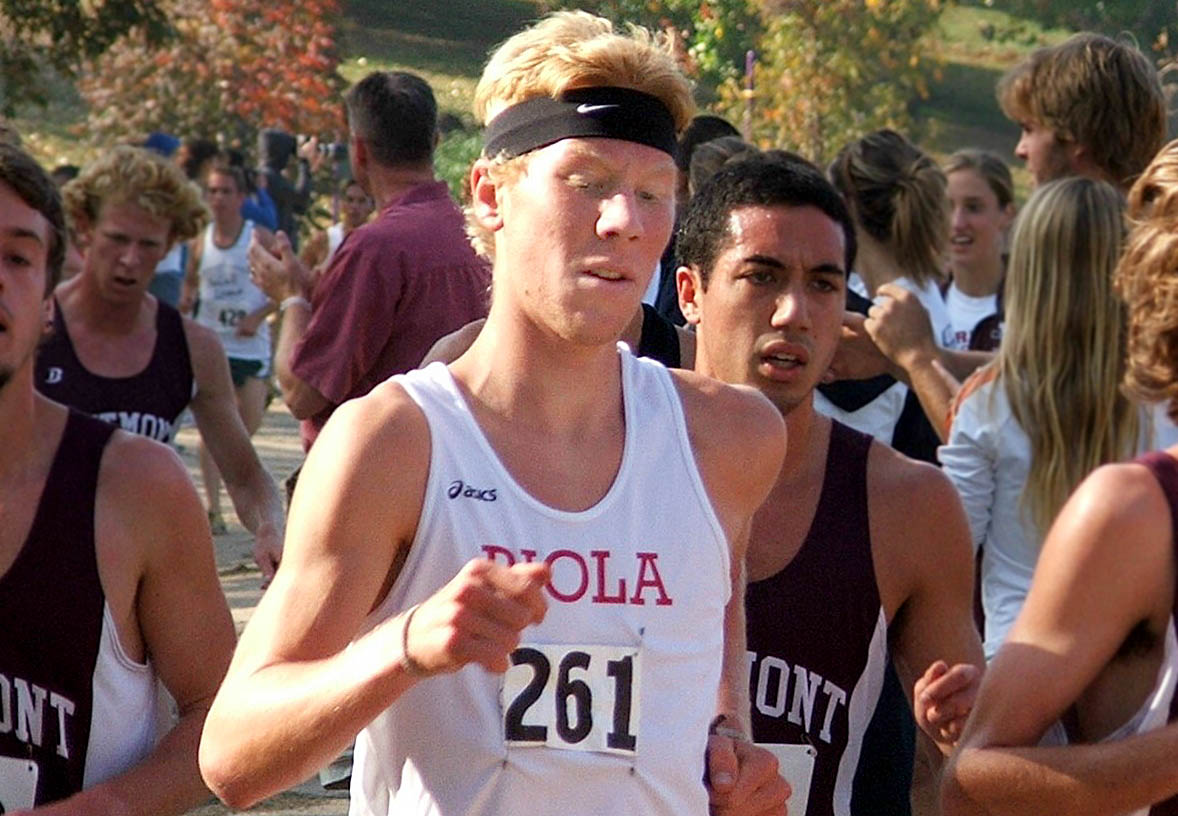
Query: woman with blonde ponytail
[[1047, 411], [897, 197]]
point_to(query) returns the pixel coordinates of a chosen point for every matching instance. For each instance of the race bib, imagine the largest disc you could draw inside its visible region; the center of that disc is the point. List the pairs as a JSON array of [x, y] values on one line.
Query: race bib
[[574, 698], [795, 763], [18, 784]]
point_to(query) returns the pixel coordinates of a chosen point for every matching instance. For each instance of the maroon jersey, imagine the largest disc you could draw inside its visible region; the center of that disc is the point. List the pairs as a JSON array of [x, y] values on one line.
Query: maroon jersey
[[51, 605], [147, 403], [817, 633]]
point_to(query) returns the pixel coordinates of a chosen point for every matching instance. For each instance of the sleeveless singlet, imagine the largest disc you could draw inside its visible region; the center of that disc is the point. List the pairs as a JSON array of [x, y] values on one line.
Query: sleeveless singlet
[[335, 237], [147, 403], [1161, 706], [74, 709], [227, 294], [607, 705], [817, 633], [658, 340]]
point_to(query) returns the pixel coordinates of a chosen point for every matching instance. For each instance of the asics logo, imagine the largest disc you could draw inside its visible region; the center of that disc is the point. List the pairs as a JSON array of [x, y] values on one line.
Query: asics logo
[[459, 488]]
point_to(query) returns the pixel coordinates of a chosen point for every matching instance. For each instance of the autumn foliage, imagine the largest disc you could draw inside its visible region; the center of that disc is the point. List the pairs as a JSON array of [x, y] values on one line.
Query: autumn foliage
[[230, 68], [823, 72]]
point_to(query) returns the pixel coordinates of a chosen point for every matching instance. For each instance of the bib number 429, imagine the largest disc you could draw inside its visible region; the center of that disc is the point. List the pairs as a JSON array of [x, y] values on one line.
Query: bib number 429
[[576, 698]]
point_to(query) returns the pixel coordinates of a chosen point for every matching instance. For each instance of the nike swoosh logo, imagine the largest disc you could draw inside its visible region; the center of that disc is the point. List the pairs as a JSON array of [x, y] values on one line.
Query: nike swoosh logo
[[586, 108]]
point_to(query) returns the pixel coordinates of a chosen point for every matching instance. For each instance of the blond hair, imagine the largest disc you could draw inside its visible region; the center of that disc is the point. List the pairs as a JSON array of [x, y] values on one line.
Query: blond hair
[[1147, 280], [142, 178], [897, 195], [566, 50], [1062, 354], [1095, 92]]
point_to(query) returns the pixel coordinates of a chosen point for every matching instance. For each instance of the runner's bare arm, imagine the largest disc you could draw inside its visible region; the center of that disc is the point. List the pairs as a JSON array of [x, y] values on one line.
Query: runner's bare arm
[[191, 285], [739, 442], [253, 492], [924, 559], [156, 564], [1085, 598], [307, 675]]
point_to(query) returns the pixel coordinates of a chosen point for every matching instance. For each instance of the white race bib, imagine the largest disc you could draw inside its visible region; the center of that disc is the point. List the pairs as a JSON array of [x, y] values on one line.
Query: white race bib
[[575, 698], [18, 784], [795, 763]]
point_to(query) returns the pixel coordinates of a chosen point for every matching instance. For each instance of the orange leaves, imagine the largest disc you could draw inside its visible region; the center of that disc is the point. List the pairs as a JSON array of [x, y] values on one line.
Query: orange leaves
[[232, 68]]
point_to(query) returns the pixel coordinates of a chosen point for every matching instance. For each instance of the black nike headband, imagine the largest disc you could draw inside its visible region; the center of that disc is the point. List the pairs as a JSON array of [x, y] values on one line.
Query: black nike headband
[[609, 113]]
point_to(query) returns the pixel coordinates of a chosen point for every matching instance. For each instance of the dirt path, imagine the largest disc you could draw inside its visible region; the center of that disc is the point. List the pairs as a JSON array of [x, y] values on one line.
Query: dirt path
[[277, 443]]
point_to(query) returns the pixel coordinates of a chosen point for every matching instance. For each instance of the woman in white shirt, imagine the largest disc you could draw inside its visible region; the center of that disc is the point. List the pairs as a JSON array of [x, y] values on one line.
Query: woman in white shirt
[[981, 200], [896, 195], [1029, 426]]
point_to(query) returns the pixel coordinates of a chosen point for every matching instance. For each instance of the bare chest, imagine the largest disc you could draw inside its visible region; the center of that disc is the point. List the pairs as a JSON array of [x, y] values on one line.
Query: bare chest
[[114, 356], [569, 473], [18, 508], [1122, 687]]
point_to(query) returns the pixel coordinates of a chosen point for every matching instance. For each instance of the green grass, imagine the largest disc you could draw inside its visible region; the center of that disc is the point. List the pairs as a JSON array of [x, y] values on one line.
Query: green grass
[[974, 47], [445, 42]]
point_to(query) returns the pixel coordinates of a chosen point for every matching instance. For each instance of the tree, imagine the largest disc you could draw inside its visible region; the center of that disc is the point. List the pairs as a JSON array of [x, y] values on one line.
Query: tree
[[827, 71], [824, 71], [230, 68], [1152, 23], [36, 35], [712, 35]]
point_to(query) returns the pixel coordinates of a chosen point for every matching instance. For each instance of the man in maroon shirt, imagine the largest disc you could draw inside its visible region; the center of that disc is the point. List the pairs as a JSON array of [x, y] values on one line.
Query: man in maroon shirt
[[396, 285]]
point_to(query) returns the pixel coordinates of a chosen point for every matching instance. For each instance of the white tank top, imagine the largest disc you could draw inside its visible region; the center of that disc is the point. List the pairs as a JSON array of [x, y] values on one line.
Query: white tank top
[[335, 237], [227, 294], [129, 712], [608, 705]]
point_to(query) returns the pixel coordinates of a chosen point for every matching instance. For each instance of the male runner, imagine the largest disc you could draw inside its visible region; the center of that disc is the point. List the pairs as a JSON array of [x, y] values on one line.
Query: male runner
[[230, 305], [1092, 659], [521, 574], [107, 581], [859, 554], [118, 353]]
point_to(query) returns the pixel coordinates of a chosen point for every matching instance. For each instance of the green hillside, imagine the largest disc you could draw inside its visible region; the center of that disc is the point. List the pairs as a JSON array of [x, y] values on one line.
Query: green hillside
[[447, 43]]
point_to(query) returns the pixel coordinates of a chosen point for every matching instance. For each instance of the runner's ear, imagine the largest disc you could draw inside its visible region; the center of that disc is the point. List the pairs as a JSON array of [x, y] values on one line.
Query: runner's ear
[[484, 196]]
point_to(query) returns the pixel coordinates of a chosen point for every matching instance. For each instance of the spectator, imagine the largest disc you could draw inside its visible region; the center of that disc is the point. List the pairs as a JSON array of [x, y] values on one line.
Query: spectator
[[275, 150], [1032, 424], [981, 195], [355, 210], [896, 194], [398, 284], [1091, 658]]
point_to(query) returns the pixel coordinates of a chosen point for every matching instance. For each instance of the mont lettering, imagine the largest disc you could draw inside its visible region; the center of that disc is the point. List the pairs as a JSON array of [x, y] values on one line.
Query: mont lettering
[[459, 488]]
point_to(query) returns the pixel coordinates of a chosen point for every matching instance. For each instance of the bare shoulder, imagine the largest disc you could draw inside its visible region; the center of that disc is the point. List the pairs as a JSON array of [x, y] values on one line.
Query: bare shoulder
[[147, 512], [204, 349], [738, 436], [919, 532], [143, 474], [732, 414], [898, 484], [355, 513], [1117, 504], [372, 456]]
